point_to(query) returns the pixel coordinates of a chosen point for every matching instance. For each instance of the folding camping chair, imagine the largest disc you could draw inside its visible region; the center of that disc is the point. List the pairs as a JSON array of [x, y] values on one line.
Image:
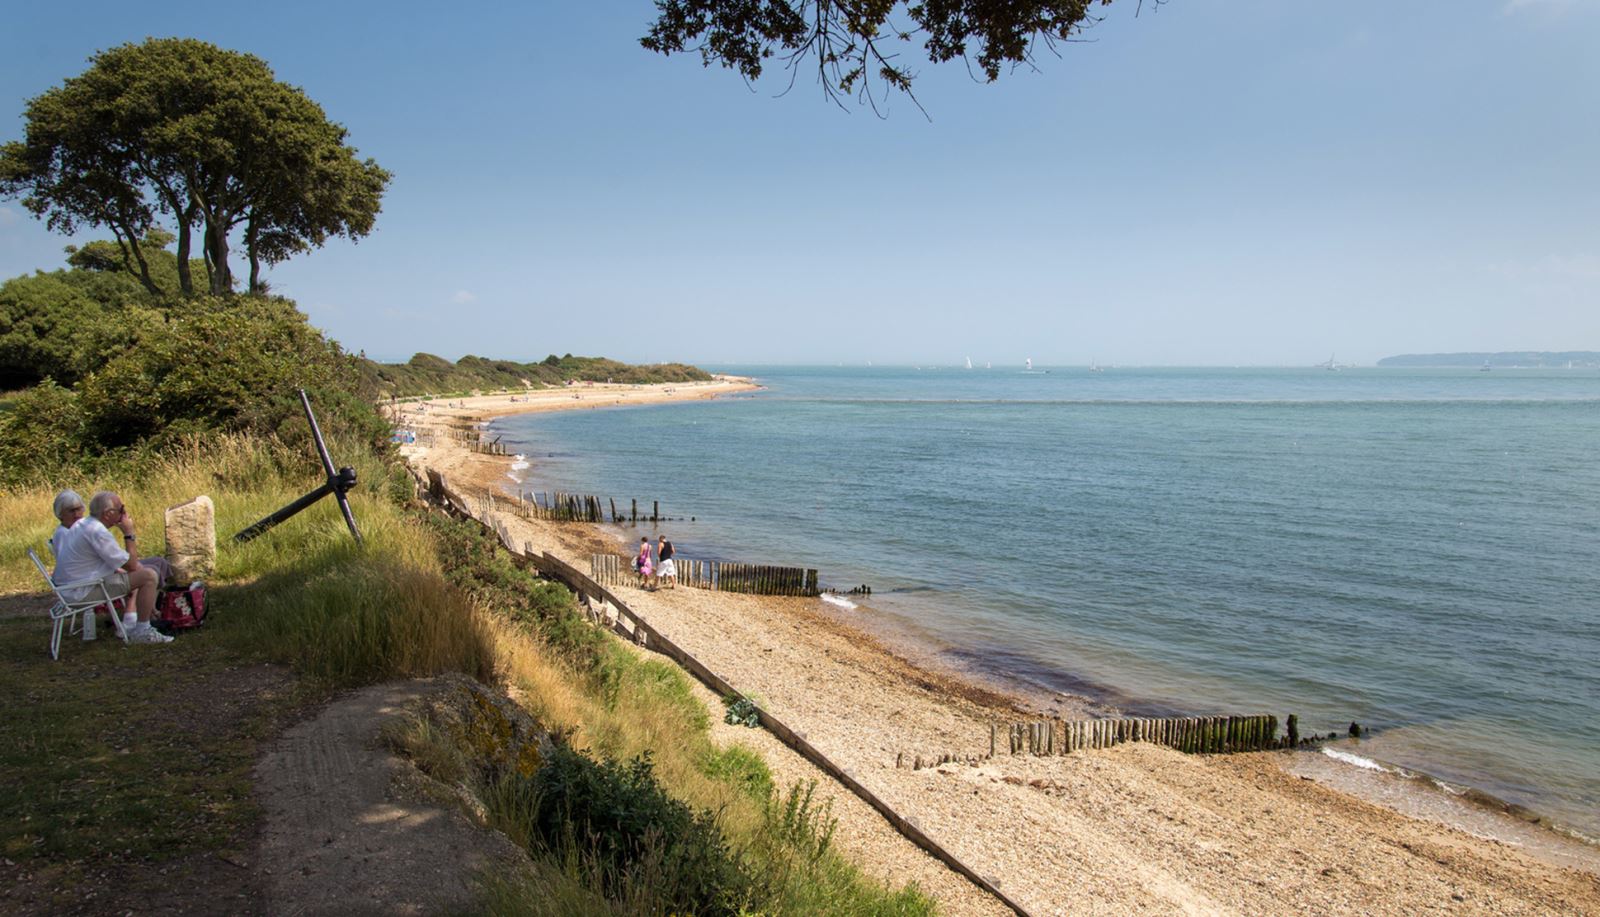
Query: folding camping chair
[[66, 611]]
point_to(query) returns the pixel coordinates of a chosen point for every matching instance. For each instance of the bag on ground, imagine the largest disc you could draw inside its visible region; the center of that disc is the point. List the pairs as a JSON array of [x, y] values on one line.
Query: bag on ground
[[180, 608]]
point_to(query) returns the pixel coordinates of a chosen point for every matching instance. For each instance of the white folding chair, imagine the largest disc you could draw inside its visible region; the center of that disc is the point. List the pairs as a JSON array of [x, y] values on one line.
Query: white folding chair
[[65, 611]]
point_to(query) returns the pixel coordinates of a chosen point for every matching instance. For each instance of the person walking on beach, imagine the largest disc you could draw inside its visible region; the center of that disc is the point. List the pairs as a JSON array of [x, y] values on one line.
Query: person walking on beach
[[665, 568], [644, 563]]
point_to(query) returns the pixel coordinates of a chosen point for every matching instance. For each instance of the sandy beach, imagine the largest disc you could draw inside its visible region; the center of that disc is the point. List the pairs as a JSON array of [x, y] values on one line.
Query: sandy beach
[[1133, 829]]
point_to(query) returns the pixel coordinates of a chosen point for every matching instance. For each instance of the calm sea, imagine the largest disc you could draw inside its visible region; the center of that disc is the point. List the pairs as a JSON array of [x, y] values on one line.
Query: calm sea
[[1414, 550]]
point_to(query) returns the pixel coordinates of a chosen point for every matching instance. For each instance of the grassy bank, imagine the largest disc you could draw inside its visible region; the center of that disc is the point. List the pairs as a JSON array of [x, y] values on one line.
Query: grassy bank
[[127, 771]]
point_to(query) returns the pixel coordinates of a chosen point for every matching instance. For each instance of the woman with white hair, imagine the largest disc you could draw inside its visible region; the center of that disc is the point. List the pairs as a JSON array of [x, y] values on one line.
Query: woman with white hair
[[68, 508]]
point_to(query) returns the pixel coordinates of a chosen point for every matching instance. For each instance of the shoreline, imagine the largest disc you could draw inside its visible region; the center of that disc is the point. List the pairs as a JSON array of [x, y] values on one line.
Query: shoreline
[[867, 705]]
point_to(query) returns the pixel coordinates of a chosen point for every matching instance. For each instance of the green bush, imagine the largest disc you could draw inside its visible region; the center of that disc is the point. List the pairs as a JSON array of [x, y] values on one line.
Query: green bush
[[618, 814], [40, 434]]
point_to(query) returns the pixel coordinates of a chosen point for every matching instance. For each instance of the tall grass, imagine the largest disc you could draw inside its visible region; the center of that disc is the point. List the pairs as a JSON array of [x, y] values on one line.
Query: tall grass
[[305, 593]]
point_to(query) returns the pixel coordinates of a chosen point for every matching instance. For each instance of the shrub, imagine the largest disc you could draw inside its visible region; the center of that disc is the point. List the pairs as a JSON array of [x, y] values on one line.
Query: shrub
[[618, 814], [40, 434]]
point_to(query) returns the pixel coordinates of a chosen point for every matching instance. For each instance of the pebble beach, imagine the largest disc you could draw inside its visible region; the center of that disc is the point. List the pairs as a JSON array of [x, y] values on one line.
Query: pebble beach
[[1132, 829]]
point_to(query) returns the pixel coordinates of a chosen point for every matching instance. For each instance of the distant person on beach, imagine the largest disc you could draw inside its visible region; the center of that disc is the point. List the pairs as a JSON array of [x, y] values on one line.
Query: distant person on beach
[[666, 569], [644, 563], [89, 552]]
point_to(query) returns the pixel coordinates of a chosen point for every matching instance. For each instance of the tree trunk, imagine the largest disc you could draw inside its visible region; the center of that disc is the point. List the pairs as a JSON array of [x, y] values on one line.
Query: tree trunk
[[217, 258], [185, 241], [131, 253], [255, 257]]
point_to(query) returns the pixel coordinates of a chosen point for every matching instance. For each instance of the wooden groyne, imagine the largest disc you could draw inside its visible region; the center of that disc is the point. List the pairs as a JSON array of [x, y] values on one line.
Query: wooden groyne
[[1194, 735], [563, 507], [474, 440], [752, 579]]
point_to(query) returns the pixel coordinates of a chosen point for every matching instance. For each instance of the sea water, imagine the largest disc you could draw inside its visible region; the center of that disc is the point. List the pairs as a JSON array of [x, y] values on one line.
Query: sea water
[[1417, 551]]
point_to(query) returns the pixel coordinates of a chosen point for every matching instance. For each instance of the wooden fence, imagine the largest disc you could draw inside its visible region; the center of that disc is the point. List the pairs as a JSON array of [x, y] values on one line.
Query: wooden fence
[[754, 579], [1196, 735]]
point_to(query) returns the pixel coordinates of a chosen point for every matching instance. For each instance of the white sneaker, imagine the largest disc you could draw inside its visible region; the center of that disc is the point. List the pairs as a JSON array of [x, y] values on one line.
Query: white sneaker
[[144, 633]]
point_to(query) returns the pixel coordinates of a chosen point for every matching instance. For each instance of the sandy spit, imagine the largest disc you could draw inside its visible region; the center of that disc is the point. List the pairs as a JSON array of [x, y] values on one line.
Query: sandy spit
[[1136, 829]]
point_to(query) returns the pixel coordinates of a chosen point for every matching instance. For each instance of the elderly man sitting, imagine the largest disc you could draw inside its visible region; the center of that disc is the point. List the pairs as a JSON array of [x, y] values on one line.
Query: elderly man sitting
[[88, 551]]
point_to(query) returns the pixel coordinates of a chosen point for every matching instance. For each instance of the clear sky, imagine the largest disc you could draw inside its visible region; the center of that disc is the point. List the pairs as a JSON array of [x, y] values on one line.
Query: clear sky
[[1256, 182]]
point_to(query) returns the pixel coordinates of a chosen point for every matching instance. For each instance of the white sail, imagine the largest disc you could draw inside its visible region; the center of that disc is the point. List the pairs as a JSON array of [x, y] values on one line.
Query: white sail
[[969, 362], [1028, 364]]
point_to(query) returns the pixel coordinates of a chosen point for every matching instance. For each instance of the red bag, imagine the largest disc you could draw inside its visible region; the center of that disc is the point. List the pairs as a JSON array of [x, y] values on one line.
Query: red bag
[[180, 608]]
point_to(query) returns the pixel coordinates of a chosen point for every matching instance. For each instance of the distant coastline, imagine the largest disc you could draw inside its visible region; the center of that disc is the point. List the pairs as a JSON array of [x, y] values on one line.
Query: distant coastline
[[1506, 359]]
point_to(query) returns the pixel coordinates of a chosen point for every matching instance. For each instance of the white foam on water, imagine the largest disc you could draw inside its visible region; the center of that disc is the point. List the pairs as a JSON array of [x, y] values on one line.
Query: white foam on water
[[838, 600], [519, 464], [1355, 760], [514, 478]]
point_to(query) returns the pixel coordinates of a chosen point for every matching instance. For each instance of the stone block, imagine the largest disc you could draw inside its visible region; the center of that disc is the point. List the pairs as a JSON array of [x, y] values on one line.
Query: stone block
[[192, 540]]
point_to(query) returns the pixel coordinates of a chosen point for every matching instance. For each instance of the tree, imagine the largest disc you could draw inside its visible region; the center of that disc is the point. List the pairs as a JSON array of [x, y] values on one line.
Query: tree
[[205, 137], [851, 40]]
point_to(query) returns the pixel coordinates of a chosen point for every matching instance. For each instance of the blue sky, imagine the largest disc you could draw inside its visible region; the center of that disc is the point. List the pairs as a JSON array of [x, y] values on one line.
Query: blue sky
[[1242, 183]]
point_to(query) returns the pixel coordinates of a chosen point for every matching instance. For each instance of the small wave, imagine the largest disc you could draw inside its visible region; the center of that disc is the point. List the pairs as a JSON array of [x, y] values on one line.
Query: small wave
[[838, 600], [514, 478], [518, 465], [1354, 760]]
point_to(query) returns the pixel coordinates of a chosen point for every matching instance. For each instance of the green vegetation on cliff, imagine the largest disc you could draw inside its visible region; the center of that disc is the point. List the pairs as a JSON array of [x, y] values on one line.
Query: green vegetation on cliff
[[104, 372], [427, 374]]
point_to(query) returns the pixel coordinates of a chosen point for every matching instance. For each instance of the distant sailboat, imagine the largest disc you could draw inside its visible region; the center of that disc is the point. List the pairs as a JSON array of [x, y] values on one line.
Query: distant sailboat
[[1027, 364], [1331, 365], [969, 362], [1485, 367], [1095, 367]]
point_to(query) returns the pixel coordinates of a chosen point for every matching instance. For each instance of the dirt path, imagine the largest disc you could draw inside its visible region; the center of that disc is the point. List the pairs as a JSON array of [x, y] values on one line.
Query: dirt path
[[342, 835]]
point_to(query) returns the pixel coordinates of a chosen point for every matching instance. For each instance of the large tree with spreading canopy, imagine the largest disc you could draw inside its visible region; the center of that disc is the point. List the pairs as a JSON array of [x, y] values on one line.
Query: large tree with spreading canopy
[[852, 41], [180, 133]]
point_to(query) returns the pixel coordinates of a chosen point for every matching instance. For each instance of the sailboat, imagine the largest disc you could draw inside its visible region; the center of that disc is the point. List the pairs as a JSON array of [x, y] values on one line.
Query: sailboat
[[969, 362], [1095, 367], [1331, 366], [1027, 367]]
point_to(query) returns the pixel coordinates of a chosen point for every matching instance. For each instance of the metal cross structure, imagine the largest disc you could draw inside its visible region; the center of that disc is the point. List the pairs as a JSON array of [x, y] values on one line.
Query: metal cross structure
[[338, 483]]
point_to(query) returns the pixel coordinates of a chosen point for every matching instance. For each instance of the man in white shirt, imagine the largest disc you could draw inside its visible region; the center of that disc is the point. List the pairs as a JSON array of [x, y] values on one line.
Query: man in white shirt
[[88, 551]]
